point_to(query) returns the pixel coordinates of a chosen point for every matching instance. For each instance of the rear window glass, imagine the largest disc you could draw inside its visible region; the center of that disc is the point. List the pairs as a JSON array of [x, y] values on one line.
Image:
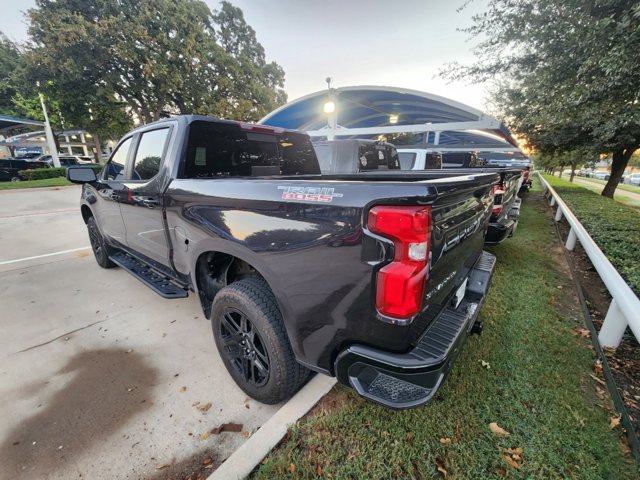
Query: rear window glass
[[226, 150]]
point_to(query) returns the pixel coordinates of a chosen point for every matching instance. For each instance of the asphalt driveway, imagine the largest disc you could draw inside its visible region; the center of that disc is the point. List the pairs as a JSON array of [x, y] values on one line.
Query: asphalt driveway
[[99, 376]]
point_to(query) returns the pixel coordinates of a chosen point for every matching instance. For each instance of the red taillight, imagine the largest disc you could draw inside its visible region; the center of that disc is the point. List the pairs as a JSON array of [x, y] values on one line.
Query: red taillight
[[498, 191], [400, 284]]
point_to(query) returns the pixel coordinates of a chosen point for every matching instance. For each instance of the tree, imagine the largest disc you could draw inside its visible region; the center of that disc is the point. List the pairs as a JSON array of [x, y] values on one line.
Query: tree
[[9, 60], [151, 58], [570, 73]]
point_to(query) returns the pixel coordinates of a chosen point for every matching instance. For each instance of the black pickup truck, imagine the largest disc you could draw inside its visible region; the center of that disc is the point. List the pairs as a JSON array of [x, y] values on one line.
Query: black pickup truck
[[374, 278]]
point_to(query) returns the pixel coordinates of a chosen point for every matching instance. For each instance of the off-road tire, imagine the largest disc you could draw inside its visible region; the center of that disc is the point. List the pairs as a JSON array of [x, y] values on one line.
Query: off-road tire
[[253, 299], [101, 251]]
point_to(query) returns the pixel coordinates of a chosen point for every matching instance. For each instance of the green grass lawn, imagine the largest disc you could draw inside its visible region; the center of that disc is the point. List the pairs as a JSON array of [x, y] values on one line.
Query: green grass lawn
[[614, 227], [45, 182], [537, 386]]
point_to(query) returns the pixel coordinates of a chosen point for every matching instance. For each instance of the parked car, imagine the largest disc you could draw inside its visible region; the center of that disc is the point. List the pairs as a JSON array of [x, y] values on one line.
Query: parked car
[[65, 161], [10, 168], [241, 215], [633, 179], [601, 175]]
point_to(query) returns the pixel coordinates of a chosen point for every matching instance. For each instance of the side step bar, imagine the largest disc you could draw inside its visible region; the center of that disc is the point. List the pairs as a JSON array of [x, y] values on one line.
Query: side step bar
[[156, 281]]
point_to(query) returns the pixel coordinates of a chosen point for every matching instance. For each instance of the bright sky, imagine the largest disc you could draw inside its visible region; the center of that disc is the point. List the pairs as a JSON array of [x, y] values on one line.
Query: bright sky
[[356, 42]]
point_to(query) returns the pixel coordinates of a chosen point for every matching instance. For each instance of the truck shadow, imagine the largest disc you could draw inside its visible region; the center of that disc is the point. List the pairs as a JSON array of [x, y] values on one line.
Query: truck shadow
[[107, 388]]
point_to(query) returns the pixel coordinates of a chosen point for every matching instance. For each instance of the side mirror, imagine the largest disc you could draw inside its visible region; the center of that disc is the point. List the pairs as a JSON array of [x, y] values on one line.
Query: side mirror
[[77, 174]]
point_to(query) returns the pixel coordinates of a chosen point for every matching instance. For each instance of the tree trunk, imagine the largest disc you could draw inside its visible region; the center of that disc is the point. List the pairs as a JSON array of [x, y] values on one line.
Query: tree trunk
[[573, 172], [621, 157], [97, 147]]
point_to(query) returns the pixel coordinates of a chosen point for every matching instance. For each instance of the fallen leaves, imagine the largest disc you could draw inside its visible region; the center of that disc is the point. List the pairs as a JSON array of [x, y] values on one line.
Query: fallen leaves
[[458, 434], [291, 468], [183, 389], [410, 436], [440, 467], [597, 367], [445, 441], [163, 466], [227, 427], [614, 422], [510, 461], [203, 436], [501, 432], [485, 364], [584, 332], [203, 407], [512, 456]]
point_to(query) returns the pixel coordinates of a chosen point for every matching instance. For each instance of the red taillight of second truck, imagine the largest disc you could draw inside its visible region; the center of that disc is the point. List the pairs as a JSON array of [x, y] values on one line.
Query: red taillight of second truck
[[498, 192], [400, 284]]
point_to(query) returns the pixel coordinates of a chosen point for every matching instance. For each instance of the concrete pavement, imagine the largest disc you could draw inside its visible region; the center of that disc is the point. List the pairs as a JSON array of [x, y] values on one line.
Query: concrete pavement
[[99, 376]]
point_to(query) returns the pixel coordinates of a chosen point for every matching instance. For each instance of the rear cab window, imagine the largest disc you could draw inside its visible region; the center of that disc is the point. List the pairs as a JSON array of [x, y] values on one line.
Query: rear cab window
[[227, 150]]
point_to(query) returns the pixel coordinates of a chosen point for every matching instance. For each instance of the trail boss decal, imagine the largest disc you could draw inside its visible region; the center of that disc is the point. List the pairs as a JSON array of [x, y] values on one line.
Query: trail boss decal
[[312, 194]]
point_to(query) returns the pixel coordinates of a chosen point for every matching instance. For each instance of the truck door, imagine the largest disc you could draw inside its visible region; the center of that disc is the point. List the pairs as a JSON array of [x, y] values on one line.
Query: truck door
[[109, 188], [141, 205]]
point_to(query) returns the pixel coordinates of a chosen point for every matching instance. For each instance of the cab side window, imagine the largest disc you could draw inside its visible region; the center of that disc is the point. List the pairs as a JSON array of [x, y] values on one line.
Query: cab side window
[[115, 167], [146, 164]]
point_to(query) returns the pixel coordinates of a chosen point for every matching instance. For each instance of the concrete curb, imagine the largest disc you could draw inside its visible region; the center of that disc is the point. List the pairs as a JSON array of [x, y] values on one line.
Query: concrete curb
[[242, 462]]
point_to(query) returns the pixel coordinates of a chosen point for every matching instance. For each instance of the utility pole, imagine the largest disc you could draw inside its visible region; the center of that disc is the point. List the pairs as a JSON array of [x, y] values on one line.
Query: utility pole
[[49, 133], [330, 108]]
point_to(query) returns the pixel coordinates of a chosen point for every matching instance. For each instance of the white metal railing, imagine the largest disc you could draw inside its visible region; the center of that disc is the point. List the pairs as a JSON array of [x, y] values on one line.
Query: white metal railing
[[624, 309]]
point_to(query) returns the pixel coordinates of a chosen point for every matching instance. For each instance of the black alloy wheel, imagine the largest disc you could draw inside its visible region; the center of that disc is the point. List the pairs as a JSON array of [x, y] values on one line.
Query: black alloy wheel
[[244, 347], [253, 343], [101, 250]]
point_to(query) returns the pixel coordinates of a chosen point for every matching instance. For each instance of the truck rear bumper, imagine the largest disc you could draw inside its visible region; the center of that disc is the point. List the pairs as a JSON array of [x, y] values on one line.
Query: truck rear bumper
[[497, 232], [408, 380]]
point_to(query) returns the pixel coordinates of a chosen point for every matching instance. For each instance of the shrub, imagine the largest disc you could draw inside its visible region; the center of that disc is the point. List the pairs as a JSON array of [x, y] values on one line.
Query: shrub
[[41, 173], [613, 226]]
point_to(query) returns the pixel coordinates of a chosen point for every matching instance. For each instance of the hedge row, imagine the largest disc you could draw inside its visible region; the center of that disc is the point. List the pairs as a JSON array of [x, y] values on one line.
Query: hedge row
[[41, 173], [613, 226]]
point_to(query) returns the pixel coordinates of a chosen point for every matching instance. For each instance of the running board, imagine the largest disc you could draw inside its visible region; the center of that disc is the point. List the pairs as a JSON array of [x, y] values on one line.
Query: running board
[[156, 281]]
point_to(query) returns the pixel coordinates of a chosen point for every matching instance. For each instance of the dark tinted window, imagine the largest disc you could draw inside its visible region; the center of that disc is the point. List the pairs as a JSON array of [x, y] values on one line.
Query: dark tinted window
[[66, 161], [115, 167], [149, 154], [217, 149]]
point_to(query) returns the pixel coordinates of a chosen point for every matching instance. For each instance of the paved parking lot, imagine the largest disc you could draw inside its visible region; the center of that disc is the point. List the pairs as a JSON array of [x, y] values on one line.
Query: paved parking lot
[[99, 376]]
